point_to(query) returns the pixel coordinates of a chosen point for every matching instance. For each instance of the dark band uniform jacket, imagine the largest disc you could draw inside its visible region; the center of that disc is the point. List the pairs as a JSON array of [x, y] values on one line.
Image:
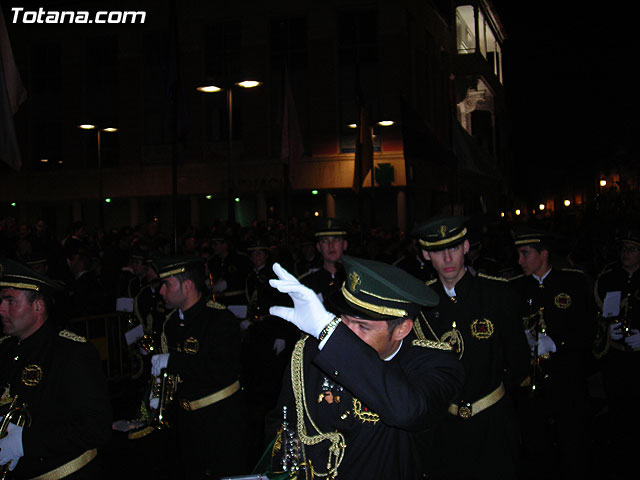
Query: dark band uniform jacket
[[375, 405], [568, 314], [204, 348], [59, 376], [321, 280], [481, 321], [485, 312]]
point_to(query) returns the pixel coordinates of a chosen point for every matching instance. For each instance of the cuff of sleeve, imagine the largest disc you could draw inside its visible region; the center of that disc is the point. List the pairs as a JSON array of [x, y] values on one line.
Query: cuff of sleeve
[[327, 332]]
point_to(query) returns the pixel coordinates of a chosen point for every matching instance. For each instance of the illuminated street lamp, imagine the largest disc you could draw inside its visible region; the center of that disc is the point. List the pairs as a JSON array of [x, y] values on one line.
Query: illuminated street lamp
[[210, 88], [603, 183], [89, 126], [567, 203]]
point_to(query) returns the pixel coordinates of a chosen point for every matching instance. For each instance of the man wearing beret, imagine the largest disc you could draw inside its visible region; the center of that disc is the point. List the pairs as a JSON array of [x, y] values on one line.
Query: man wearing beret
[[478, 316], [331, 242], [57, 375], [360, 382], [201, 341], [558, 313]]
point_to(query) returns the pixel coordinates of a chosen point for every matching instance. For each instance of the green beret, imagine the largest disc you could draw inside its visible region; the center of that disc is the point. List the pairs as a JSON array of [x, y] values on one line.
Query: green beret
[[169, 266], [19, 276], [441, 232], [379, 291]]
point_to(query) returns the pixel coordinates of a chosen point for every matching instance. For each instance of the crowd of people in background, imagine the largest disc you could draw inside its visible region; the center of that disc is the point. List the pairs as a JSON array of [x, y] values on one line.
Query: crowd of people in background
[[99, 266]]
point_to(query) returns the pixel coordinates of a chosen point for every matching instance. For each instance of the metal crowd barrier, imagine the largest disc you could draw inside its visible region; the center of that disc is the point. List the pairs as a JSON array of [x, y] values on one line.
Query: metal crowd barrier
[[106, 332]]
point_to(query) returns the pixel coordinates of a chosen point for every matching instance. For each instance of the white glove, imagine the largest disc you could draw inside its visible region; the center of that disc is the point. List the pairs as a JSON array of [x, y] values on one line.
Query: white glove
[[11, 446], [158, 362], [545, 343], [308, 314], [278, 345], [220, 286], [634, 339], [614, 331], [531, 339], [154, 401]]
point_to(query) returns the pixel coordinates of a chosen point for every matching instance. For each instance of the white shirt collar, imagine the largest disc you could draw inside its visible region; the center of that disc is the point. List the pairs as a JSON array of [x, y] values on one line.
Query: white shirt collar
[[394, 353], [541, 279]]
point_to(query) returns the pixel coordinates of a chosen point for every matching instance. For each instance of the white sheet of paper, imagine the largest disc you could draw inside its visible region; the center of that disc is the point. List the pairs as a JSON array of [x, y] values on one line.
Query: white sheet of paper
[[611, 304], [133, 335], [124, 304], [240, 311]]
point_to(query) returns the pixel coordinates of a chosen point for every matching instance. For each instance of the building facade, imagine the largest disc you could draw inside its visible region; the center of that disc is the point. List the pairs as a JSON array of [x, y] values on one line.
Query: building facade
[[433, 69]]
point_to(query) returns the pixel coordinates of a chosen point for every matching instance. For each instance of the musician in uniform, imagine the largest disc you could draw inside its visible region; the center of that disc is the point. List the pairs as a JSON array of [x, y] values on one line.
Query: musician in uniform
[[202, 339], [57, 375], [558, 315], [360, 383], [229, 270], [267, 343], [617, 295], [331, 242], [478, 316]]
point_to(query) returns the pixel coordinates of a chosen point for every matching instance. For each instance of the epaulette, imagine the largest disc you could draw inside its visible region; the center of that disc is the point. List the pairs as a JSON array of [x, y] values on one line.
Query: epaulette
[[432, 344], [607, 268], [72, 336], [428, 283], [216, 305], [491, 277], [308, 272], [574, 270], [6, 337]]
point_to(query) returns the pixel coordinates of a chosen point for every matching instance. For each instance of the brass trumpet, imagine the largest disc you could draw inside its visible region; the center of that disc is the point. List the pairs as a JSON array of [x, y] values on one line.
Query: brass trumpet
[[18, 415], [164, 391]]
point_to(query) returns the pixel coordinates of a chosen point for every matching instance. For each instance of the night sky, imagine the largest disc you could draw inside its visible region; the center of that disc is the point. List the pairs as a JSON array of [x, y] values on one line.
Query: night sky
[[569, 78], [569, 75]]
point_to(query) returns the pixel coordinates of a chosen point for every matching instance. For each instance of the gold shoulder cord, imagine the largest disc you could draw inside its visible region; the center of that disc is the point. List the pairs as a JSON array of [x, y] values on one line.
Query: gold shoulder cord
[[423, 341], [164, 346], [338, 444]]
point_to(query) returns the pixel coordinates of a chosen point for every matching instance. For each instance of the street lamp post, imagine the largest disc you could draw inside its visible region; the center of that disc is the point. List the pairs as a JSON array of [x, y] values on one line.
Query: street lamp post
[[88, 126], [230, 167]]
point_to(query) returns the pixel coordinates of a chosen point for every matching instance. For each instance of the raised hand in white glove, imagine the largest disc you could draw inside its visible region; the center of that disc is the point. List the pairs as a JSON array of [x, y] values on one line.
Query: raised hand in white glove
[[158, 362], [11, 446], [308, 313], [633, 340], [278, 345], [614, 331]]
